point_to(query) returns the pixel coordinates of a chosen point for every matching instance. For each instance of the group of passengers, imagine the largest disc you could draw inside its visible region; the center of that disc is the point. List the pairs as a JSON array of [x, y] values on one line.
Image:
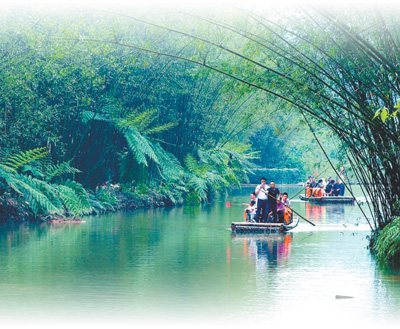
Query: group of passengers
[[321, 189], [268, 205]]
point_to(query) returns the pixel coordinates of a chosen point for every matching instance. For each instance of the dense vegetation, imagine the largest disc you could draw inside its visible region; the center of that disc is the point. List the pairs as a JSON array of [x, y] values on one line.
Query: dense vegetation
[[122, 120], [334, 68]]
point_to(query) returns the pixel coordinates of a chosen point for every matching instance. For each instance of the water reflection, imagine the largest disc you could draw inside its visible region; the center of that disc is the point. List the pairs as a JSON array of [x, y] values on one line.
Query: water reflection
[[331, 213], [185, 262], [271, 250]]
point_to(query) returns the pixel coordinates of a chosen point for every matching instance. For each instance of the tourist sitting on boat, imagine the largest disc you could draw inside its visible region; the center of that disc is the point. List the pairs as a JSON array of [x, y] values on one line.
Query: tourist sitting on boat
[[342, 188], [252, 204], [251, 212], [253, 196], [285, 199], [338, 188], [308, 181], [284, 212], [280, 207], [319, 190], [262, 202], [328, 188], [310, 189]]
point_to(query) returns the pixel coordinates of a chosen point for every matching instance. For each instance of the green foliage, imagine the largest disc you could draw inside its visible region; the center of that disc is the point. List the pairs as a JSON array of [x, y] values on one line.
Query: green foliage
[[42, 196], [384, 113], [74, 198], [105, 198], [216, 169], [17, 160], [387, 245], [52, 171], [130, 117]]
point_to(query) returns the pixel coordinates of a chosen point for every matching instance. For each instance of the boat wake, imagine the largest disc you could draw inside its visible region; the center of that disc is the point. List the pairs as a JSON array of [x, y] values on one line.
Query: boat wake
[[303, 227]]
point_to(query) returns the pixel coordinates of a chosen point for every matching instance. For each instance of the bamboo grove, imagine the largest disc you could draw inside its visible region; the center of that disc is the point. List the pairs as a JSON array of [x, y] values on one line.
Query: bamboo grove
[[336, 68]]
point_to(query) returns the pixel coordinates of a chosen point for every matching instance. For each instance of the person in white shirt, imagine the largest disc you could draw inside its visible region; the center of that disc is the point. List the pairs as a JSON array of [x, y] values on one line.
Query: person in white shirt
[[262, 203]]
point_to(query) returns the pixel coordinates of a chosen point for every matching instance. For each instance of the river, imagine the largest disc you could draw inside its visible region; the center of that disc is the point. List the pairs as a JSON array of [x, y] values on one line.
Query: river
[[184, 266]]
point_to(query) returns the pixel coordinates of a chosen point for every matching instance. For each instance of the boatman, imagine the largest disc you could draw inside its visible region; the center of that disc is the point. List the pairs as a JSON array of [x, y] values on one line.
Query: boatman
[[273, 196], [262, 203]]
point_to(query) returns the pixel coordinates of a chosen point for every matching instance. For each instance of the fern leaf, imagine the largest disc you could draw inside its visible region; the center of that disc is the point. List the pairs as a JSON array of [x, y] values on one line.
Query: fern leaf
[[161, 128], [169, 166], [59, 170], [74, 198], [88, 116], [19, 159], [140, 146]]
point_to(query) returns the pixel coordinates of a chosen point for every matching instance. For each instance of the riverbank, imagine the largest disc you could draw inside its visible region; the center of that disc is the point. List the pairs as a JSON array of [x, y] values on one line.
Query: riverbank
[[103, 200]]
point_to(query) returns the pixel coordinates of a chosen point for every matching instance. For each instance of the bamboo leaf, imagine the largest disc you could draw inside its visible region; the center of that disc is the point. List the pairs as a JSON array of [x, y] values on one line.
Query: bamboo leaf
[[384, 114]]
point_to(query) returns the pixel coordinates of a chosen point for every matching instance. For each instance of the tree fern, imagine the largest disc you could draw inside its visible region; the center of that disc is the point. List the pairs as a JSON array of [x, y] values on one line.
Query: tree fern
[[136, 127], [53, 171], [140, 121], [169, 166], [74, 197], [140, 146], [42, 197], [19, 159]]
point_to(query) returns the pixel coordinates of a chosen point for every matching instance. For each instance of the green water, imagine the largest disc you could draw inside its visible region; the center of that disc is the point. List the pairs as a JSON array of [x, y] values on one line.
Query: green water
[[183, 265]]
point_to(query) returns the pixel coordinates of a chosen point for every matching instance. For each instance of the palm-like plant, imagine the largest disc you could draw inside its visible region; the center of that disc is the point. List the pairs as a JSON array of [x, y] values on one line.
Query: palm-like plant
[[29, 174], [217, 169], [136, 128]]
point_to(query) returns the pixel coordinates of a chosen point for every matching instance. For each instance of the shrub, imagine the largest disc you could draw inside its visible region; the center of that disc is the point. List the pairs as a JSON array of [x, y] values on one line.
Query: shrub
[[387, 245]]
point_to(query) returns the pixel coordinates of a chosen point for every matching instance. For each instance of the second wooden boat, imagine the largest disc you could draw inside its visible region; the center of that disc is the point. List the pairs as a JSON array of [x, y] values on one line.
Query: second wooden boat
[[328, 199]]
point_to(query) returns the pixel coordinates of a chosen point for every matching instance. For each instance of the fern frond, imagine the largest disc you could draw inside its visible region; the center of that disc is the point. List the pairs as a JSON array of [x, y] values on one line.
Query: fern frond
[[8, 176], [169, 166], [59, 170], [140, 121], [160, 128], [139, 146], [34, 191], [19, 159], [200, 186], [74, 198], [88, 116], [191, 164]]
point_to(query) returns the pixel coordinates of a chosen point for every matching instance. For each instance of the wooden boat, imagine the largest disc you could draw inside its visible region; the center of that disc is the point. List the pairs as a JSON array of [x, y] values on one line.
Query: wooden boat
[[264, 227], [328, 199]]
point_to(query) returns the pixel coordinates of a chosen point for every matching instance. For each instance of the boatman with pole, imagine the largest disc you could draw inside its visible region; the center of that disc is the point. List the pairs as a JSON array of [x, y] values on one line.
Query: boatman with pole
[[262, 201]]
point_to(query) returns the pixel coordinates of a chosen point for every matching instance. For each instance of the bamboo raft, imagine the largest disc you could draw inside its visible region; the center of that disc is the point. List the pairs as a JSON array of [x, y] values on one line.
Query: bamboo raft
[[328, 199], [263, 227]]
